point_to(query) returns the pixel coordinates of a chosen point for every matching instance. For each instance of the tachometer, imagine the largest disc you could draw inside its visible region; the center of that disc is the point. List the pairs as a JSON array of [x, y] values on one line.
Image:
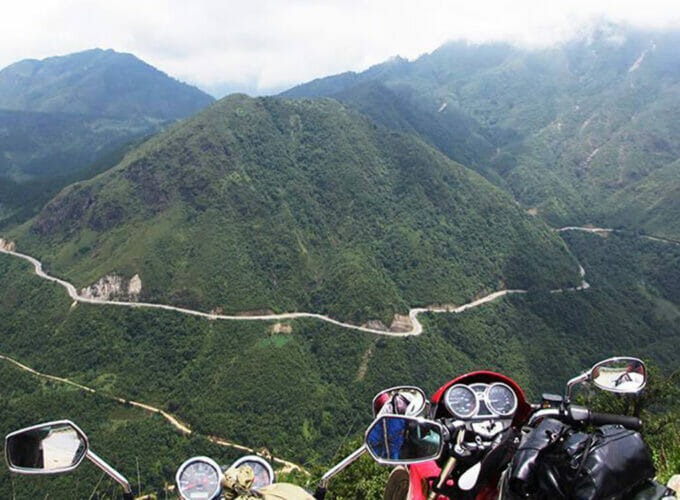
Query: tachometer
[[264, 474], [501, 399], [461, 401], [199, 478]]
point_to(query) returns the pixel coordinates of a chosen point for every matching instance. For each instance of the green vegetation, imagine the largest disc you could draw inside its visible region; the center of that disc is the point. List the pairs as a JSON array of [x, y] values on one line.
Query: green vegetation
[[231, 378], [295, 205], [97, 82], [62, 114], [584, 131], [125, 437]]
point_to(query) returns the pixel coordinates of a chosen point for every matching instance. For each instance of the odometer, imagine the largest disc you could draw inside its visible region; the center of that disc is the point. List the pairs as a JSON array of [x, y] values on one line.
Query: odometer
[[501, 399], [199, 478], [461, 401]]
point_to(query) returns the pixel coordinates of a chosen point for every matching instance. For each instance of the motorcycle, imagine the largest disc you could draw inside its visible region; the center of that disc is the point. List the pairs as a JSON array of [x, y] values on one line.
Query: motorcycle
[[461, 443], [61, 446], [466, 442]]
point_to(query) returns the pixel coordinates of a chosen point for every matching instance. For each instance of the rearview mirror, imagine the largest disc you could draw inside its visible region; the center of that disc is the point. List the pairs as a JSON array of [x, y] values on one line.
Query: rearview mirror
[[46, 448], [622, 375], [395, 440], [401, 400]]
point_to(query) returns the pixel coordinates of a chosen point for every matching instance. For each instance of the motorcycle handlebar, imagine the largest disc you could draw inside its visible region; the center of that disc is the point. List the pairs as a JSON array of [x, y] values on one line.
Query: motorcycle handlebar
[[597, 418], [579, 414]]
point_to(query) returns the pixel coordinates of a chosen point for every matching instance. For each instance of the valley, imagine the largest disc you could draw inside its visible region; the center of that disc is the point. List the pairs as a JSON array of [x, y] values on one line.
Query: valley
[[242, 275]]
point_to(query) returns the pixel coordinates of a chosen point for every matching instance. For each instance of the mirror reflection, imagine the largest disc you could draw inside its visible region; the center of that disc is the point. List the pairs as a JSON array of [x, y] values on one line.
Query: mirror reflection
[[408, 401], [47, 448], [626, 375], [396, 439]]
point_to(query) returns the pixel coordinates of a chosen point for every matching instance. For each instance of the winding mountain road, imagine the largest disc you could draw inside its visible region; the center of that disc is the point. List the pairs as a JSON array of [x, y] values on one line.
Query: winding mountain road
[[415, 330], [174, 421]]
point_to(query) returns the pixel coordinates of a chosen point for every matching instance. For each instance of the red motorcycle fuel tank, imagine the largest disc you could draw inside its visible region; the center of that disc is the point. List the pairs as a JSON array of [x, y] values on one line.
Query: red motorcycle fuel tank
[[421, 474]]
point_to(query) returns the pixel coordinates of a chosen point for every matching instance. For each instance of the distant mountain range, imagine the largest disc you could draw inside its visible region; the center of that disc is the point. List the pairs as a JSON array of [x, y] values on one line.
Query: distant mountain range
[[431, 182], [64, 114], [101, 83], [582, 132]]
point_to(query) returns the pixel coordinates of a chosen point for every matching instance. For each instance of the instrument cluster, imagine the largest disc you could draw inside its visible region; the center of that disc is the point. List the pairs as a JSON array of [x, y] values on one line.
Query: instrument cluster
[[481, 401]]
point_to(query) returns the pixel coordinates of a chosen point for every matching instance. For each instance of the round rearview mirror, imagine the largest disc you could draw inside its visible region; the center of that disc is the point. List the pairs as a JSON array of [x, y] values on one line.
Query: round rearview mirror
[[46, 448], [395, 440], [401, 400], [623, 375]]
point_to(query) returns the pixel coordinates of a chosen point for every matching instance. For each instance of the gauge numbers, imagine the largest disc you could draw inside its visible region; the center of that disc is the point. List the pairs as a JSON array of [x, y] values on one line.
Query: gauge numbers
[[199, 479], [481, 401], [501, 399], [461, 401]]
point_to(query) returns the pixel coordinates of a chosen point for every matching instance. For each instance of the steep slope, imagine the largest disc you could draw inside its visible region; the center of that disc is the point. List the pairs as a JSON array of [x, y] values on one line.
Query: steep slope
[[300, 391], [295, 205], [62, 115], [97, 82], [565, 129]]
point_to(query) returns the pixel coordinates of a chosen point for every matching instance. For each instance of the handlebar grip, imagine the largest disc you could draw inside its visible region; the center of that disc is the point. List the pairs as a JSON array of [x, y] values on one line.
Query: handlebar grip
[[597, 418]]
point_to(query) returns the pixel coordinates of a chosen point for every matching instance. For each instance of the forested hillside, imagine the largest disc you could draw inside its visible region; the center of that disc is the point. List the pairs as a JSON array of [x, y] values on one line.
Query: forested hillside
[[265, 204], [62, 115], [358, 196], [318, 379], [581, 132]]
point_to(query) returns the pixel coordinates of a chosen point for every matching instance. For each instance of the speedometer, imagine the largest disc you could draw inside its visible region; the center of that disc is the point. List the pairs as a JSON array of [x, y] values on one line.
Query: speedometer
[[199, 478], [501, 399], [264, 474], [461, 401]]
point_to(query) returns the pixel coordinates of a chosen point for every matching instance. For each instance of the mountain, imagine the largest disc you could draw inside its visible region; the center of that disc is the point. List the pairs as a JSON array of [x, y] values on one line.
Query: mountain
[[64, 118], [299, 388], [580, 132], [270, 204], [101, 83]]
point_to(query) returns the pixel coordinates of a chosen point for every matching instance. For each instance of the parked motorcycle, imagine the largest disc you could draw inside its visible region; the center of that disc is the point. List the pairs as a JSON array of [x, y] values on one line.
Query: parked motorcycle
[[61, 446], [476, 438], [479, 427]]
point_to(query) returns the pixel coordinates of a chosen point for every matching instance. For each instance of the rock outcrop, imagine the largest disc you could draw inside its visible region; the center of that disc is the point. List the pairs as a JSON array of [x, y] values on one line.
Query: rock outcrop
[[112, 287]]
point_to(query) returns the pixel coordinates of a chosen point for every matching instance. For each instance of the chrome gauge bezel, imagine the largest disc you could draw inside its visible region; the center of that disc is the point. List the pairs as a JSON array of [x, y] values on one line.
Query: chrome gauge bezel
[[487, 400], [474, 412], [254, 458], [211, 463]]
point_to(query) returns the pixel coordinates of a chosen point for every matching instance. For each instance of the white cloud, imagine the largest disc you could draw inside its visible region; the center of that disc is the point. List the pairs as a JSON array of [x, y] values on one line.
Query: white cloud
[[263, 45]]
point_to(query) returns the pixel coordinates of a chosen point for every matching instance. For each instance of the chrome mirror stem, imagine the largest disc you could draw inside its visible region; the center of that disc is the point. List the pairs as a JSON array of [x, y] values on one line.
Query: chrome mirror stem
[[113, 473], [584, 377], [346, 462]]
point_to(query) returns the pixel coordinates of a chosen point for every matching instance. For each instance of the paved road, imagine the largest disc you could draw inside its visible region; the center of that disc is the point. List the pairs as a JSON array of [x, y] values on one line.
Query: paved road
[[415, 330]]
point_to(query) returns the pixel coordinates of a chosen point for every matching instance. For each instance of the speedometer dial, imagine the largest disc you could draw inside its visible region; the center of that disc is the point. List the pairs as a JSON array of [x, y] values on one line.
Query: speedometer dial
[[501, 399], [199, 478], [461, 401]]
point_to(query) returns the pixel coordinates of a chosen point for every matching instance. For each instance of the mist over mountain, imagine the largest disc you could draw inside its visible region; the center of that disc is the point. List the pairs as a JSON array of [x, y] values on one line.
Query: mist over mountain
[[579, 132], [63, 115]]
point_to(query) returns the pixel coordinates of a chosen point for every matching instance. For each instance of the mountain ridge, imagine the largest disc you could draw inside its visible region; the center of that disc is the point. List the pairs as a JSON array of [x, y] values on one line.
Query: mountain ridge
[[97, 82], [317, 199], [576, 132]]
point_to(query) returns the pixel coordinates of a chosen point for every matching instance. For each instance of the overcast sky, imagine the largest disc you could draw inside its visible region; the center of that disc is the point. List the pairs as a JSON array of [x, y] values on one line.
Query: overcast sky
[[262, 46]]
